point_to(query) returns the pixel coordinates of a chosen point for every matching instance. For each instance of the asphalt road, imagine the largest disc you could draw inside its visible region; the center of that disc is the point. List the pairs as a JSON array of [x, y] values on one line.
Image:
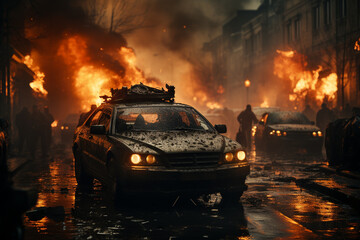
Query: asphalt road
[[274, 207]]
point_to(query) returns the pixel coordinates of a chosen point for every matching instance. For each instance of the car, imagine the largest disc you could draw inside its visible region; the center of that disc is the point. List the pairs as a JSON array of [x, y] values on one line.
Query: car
[[283, 129], [141, 141], [259, 112]]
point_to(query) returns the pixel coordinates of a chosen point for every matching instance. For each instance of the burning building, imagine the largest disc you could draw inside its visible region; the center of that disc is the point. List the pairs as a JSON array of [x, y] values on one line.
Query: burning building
[[325, 66]]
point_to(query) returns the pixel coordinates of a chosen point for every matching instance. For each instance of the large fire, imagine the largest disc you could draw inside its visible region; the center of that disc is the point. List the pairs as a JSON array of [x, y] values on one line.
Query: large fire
[[91, 79], [38, 83], [290, 65]]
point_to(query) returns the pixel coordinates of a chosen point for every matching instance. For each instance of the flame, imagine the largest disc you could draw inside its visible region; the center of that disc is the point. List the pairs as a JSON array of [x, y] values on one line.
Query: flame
[[357, 45], [38, 83], [54, 123], [92, 80], [220, 89], [290, 65], [265, 104]]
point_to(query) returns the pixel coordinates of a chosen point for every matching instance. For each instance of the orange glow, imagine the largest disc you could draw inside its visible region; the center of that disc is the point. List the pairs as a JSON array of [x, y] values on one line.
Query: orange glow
[[220, 89], [92, 80], [265, 104], [38, 83], [54, 123], [247, 83], [290, 65], [357, 45]]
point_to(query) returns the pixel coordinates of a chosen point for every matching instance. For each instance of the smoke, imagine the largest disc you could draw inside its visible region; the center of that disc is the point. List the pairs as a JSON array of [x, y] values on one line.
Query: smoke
[[168, 39]]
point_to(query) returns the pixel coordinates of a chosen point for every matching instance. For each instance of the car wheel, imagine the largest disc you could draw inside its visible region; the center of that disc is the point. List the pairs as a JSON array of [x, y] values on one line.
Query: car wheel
[[231, 197], [82, 177]]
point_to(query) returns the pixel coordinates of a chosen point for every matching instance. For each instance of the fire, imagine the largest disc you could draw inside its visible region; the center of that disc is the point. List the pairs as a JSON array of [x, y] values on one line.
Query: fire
[[91, 79], [202, 98], [265, 104], [38, 83], [54, 123], [357, 45], [290, 65]]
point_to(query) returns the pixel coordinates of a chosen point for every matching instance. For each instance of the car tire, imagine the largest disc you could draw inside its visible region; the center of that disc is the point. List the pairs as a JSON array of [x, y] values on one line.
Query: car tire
[[231, 197], [82, 177]]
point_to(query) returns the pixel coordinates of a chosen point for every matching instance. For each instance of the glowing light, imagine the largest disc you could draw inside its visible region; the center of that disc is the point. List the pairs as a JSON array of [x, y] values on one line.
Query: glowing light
[[241, 155], [135, 158], [54, 123], [357, 45], [264, 104], [229, 157], [247, 83]]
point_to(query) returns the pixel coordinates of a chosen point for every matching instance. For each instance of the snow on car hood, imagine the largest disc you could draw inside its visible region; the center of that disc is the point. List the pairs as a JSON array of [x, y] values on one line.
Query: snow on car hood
[[294, 127], [175, 141]]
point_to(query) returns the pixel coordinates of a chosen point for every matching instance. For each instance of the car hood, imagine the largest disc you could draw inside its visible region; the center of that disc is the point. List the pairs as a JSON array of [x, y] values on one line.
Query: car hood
[[175, 141], [294, 127]]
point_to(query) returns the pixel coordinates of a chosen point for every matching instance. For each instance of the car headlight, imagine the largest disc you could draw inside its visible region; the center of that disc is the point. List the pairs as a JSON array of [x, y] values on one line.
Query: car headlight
[[135, 159], [317, 134], [150, 159], [241, 155], [278, 133], [229, 157], [142, 159]]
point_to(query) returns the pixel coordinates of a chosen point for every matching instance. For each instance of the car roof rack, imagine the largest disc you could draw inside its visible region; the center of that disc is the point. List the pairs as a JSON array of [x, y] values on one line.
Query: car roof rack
[[140, 93]]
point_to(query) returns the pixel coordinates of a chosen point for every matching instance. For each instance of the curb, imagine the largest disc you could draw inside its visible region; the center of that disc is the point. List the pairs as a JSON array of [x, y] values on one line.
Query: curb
[[348, 199], [345, 173], [15, 164]]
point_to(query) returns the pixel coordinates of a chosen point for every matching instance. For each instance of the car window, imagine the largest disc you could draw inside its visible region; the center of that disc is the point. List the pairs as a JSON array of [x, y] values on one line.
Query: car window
[[94, 119], [158, 118], [288, 118], [105, 120]]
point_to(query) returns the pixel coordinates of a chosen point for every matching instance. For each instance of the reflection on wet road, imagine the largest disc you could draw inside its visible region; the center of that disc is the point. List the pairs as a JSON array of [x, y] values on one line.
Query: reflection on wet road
[[273, 207]]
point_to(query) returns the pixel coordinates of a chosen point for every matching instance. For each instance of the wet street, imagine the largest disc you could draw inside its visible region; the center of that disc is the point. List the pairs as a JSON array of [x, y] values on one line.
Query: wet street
[[274, 207]]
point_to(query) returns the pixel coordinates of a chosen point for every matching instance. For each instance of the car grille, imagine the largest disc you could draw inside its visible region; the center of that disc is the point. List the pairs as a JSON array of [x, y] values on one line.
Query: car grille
[[299, 134], [193, 159]]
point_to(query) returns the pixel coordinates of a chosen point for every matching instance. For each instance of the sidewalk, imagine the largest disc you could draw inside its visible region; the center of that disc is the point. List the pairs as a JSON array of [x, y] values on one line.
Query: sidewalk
[[16, 163], [342, 185]]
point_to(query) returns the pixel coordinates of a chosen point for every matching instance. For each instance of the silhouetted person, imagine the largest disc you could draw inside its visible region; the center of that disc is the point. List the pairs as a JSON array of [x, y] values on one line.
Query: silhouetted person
[[324, 117], [309, 112], [246, 119], [23, 124], [85, 115], [46, 136], [36, 118]]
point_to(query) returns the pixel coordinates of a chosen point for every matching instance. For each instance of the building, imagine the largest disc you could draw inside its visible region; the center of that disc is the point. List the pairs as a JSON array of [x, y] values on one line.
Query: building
[[324, 31]]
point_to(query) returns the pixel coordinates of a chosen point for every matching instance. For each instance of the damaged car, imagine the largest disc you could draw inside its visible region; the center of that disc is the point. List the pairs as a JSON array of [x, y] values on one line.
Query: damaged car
[[287, 129], [141, 141]]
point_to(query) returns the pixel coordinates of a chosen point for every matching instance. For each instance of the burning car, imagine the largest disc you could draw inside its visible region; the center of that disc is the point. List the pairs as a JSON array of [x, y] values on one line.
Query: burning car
[[287, 129], [140, 141]]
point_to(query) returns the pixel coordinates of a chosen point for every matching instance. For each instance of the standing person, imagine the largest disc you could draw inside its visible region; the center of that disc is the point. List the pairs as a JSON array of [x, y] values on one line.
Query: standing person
[[22, 121], [246, 119], [36, 118], [323, 117], [309, 112], [46, 136]]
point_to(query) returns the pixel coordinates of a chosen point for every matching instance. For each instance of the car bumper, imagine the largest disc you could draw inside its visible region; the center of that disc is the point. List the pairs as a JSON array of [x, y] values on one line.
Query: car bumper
[[158, 180]]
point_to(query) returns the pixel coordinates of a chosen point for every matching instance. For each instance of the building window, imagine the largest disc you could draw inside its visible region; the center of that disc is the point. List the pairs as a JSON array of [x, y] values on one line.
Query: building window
[[327, 12], [297, 28], [316, 18], [341, 8], [289, 32]]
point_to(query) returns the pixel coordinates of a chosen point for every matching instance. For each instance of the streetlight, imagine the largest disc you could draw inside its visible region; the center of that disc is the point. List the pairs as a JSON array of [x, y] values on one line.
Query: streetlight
[[247, 85]]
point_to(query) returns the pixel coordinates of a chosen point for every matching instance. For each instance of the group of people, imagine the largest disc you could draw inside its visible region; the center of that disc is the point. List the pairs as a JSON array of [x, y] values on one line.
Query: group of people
[[34, 127]]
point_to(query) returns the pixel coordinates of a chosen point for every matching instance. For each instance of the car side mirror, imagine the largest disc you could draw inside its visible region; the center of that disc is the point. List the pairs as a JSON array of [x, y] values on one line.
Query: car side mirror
[[98, 129], [221, 128]]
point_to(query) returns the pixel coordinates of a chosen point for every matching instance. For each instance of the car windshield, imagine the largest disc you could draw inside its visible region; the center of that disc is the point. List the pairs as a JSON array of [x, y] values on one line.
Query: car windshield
[[160, 118], [287, 118]]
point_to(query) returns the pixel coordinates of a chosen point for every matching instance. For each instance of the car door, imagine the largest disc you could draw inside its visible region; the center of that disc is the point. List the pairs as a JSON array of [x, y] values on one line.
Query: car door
[[101, 144], [87, 142]]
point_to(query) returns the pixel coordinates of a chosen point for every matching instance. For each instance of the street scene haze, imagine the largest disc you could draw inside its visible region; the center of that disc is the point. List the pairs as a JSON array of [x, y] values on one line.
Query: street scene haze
[[179, 119]]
